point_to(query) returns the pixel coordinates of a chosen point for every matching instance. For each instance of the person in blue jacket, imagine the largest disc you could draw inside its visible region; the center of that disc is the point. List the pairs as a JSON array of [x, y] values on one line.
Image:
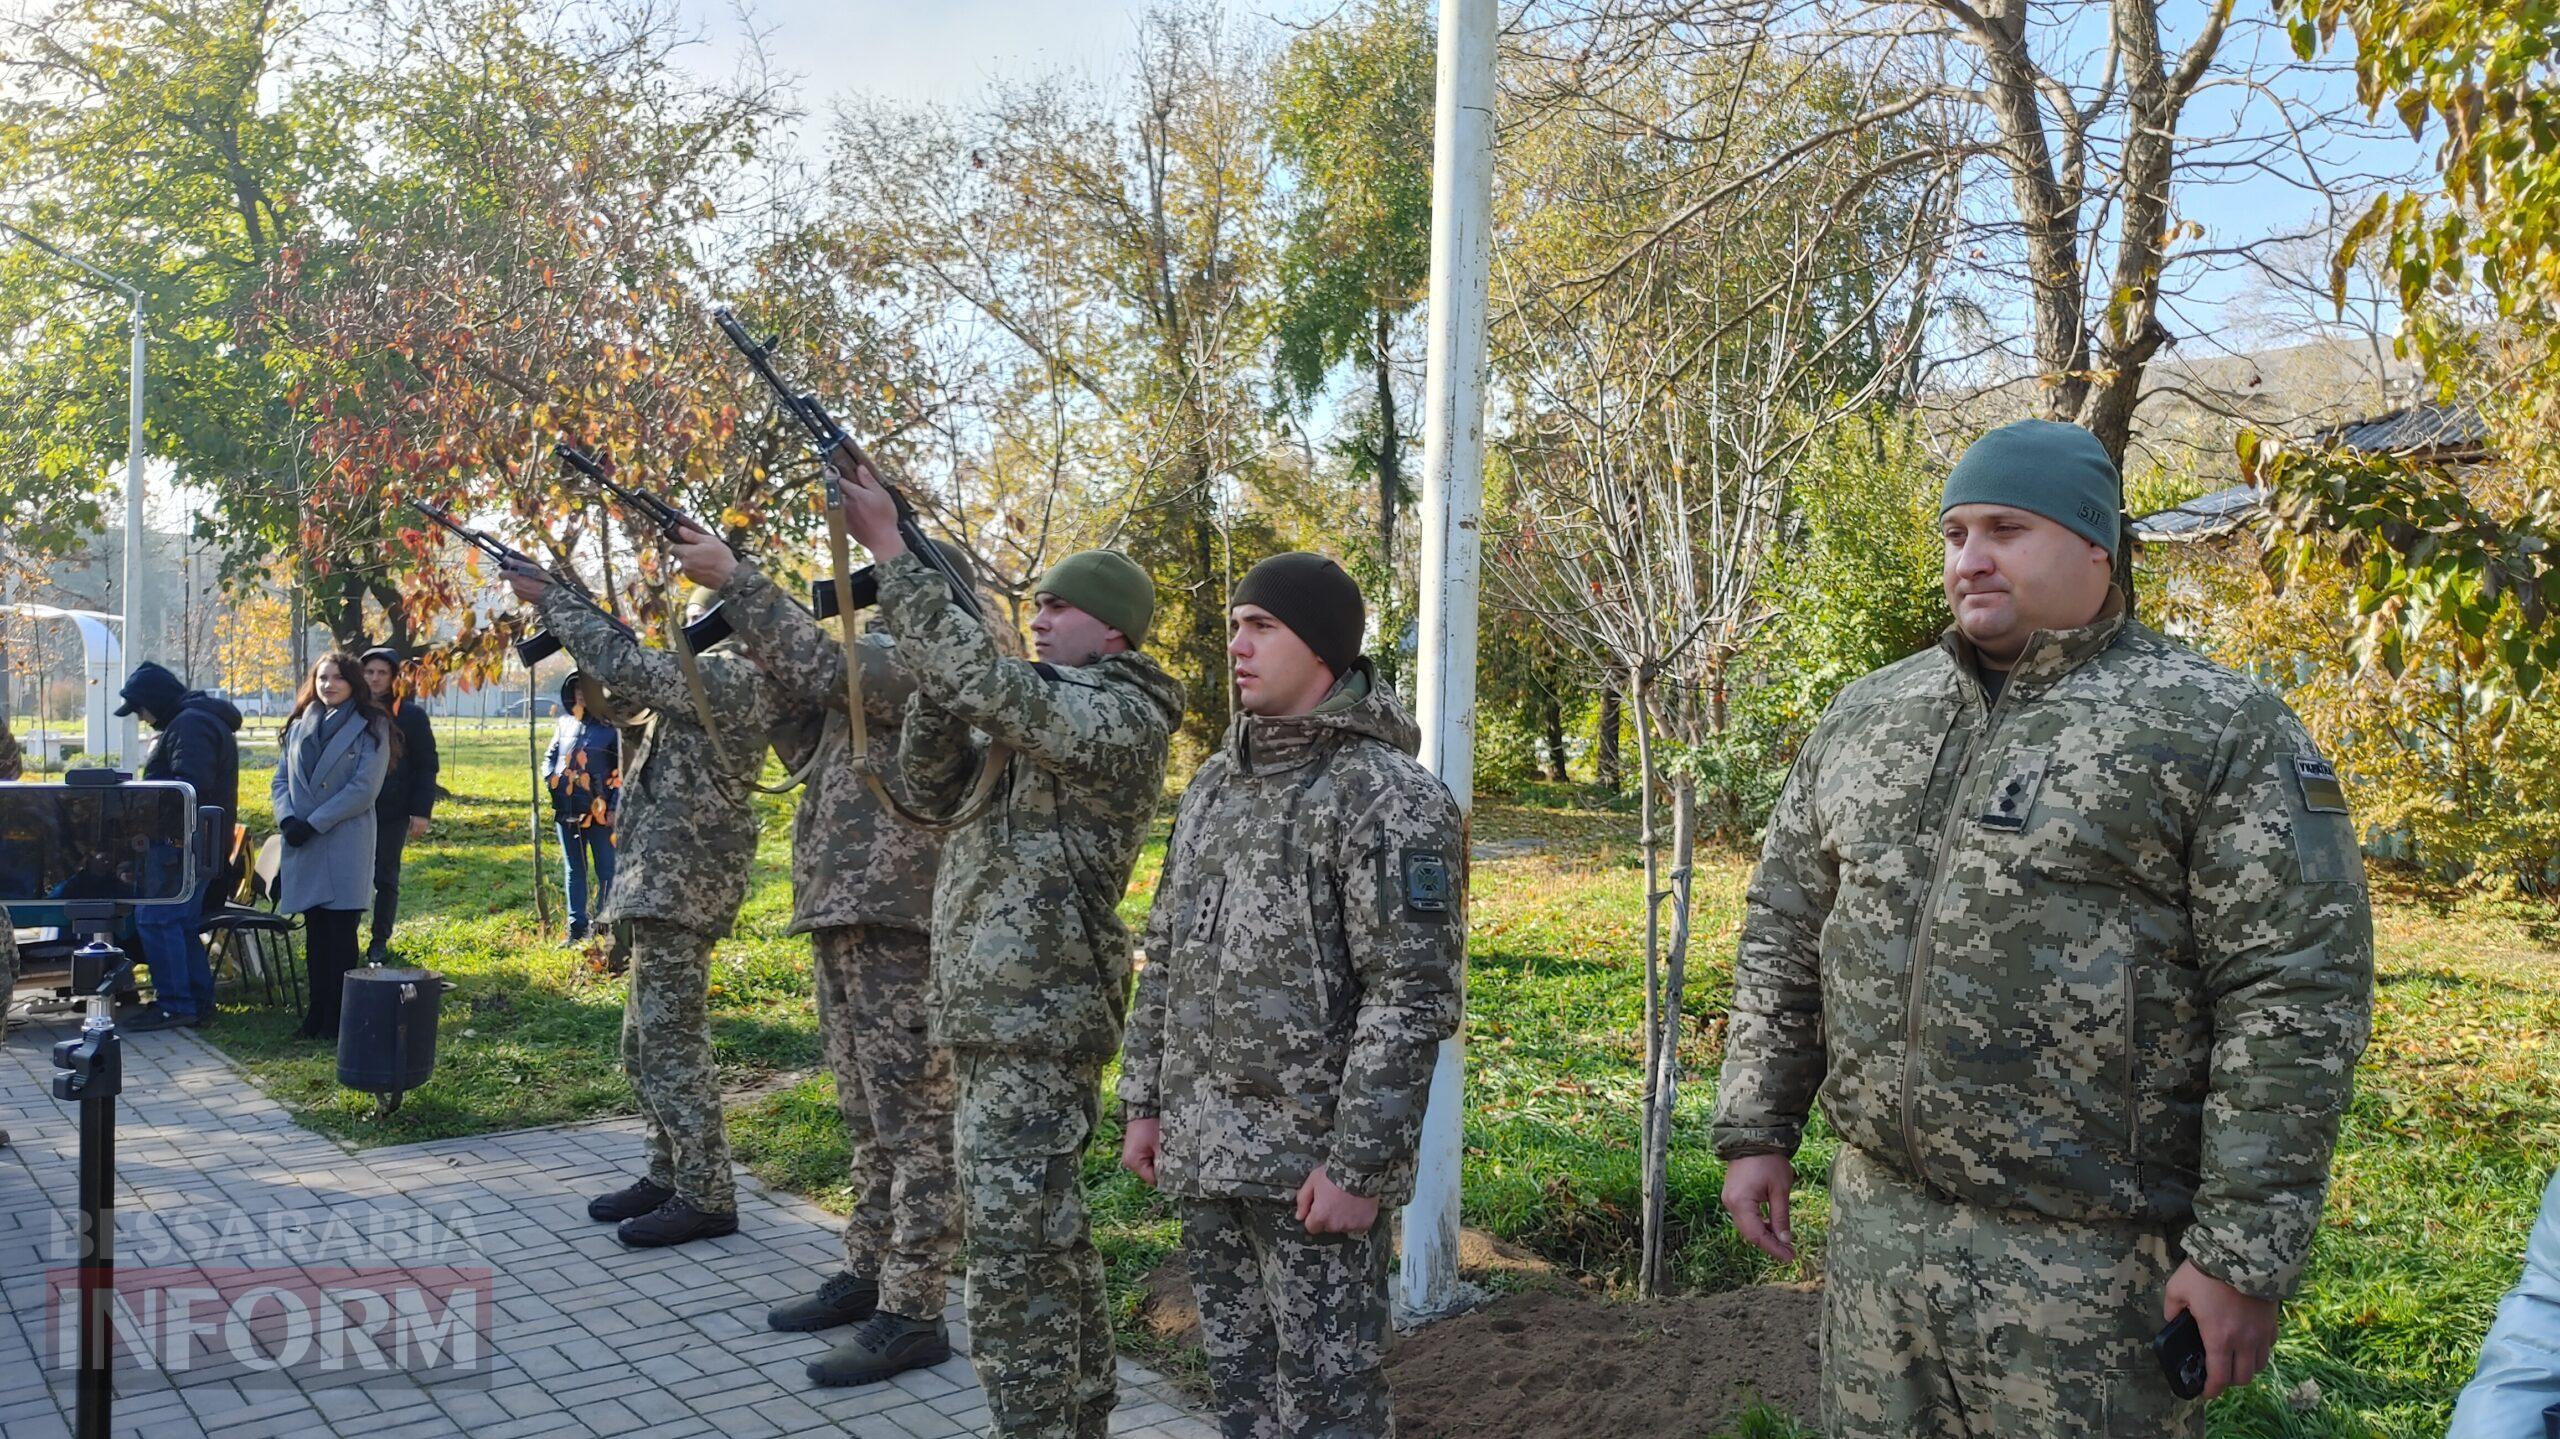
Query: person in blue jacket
[[198, 743], [582, 770], [2515, 1394]]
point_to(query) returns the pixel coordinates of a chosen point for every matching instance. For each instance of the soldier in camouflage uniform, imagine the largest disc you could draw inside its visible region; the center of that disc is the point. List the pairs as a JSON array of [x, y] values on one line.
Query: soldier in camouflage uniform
[[1030, 958], [684, 842], [1303, 963], [862, 890], [2068, 928]]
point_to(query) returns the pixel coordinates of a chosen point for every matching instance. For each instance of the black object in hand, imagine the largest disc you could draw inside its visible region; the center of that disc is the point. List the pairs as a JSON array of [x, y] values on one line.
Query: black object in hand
[[297, 832], [2180, 1348]]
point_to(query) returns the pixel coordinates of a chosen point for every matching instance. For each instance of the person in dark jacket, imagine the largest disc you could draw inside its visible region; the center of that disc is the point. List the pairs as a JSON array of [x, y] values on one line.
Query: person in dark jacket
[[198, 743], [582, 769], [337, 747], [408, 797]]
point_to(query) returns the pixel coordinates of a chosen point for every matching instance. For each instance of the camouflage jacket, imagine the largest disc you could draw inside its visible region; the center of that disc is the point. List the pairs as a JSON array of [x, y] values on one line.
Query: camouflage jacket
[[686, 836], [2098, 950], [852, 862], [1304, 958], [1029, 951]]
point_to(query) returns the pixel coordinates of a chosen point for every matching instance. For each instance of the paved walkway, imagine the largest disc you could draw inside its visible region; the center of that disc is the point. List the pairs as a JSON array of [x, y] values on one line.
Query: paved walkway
[[584, 1337]]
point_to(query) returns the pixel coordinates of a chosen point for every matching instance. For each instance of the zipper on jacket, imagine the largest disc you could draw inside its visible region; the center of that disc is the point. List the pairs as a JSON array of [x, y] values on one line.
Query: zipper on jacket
[[1928, 917]]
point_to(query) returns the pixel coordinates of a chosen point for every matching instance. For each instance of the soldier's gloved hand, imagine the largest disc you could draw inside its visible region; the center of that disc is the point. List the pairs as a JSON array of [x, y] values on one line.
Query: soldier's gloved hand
[[1755, 1194], [1139, 1145], [1327, 1208], [704, 559], [2239, 1331]]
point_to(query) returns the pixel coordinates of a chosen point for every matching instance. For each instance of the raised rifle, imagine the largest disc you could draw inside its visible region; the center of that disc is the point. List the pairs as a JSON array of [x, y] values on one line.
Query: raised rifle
[[700, 635], [671, 523], [828, 440]]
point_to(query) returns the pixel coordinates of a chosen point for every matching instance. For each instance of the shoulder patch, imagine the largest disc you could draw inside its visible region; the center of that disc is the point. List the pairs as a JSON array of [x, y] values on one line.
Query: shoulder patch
[[2321, 792], [1428, 884]]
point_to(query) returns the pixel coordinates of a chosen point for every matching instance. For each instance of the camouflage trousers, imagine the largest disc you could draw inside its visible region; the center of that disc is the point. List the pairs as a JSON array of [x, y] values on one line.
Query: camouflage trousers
[[1040, 1334], [1943, 1320], [1295, 1324], [895, 1092], [666, 1050]]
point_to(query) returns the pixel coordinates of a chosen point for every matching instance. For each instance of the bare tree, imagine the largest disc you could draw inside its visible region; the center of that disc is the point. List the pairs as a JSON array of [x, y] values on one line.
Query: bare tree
[[1664, 393]]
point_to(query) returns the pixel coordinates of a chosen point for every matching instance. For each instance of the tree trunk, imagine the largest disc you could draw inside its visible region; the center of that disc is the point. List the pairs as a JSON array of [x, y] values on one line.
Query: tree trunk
[[1604, 748], [1555, 739], [1649, 1250], [1663, 1105], [1390, 457]]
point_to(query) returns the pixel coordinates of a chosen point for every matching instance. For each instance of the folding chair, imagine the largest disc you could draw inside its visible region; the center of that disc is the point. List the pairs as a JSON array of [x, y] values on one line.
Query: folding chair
[[242, 931]]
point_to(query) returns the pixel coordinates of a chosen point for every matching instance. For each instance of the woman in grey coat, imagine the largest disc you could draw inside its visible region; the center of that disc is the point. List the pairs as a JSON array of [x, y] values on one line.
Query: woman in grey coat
[[337, 747]]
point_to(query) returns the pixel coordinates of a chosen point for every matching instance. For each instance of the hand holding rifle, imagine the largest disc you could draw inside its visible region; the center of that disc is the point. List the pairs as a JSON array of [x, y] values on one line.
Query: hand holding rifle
[[870, 512]]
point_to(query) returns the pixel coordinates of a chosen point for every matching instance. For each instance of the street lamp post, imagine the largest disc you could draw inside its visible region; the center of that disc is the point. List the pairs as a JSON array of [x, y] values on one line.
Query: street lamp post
[[138, 610]]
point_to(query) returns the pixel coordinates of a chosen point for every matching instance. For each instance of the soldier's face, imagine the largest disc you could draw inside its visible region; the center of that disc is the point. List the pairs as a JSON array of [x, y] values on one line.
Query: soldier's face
[[1064, 635], [2010, 573], [1276, 674]]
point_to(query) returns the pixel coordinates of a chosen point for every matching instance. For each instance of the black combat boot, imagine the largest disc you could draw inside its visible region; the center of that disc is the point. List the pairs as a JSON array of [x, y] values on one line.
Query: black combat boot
[[846, 1298], [629, 1202], [676, 1222], [886, 1344]]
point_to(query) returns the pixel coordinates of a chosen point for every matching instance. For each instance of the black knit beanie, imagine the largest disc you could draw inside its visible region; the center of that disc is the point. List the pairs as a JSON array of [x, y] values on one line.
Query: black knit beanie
[[1314, 598]]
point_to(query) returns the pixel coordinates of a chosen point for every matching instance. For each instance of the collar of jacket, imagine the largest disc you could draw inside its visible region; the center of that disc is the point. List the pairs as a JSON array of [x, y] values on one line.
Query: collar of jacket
[[2049, 655], [1270, 744]]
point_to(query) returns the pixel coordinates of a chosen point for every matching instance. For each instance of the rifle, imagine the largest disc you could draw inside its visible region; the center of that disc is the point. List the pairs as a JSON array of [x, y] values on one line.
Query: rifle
[[828, 439], [700, 635], [713, 626]]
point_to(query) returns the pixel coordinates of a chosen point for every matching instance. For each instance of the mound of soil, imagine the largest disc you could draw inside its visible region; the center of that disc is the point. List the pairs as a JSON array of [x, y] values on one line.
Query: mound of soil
[[1555, 1359], [1559, 1361]]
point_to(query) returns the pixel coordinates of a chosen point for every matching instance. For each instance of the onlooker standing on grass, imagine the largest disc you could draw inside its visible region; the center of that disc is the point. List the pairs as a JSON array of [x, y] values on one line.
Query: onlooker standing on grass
[[583, 771], [408, 797], [1304, 960], [2066, 928], [199, 744], [338, 745]]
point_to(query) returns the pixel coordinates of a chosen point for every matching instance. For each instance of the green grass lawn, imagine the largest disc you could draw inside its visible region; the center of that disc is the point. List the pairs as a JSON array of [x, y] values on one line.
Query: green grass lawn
[[2455, 1126]]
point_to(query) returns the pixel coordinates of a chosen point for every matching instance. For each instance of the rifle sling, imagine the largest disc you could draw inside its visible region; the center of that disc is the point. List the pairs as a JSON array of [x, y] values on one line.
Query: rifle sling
[[991, 766]]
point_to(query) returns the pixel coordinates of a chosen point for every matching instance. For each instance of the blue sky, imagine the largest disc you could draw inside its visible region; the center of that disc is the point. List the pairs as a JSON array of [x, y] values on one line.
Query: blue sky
[[948, 50]]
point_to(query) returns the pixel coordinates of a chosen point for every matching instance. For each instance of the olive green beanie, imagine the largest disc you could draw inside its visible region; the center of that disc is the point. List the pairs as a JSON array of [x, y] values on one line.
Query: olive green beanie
[[1107, 585], [2045, 467]]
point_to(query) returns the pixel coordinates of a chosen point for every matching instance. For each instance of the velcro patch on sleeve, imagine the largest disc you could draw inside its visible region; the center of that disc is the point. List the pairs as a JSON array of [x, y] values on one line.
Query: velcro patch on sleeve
[[2321, 792], [1429, 886]]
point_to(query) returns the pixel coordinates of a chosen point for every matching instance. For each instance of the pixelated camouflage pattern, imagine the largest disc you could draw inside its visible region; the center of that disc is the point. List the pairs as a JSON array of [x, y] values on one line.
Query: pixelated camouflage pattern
[[1294, 1324], [1947, 1320], [1039, 1324], [852, 862], [1295, 995], [666, 1050], [895, 1091], [1029, 951], [686, 837], [2095, 951]]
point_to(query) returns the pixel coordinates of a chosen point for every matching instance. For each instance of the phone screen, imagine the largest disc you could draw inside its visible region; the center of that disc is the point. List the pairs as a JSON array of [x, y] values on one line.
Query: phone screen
[[132, 843]]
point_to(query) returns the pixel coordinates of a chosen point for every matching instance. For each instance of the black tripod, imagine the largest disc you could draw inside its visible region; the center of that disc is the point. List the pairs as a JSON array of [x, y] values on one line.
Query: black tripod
[[90, 1069]]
